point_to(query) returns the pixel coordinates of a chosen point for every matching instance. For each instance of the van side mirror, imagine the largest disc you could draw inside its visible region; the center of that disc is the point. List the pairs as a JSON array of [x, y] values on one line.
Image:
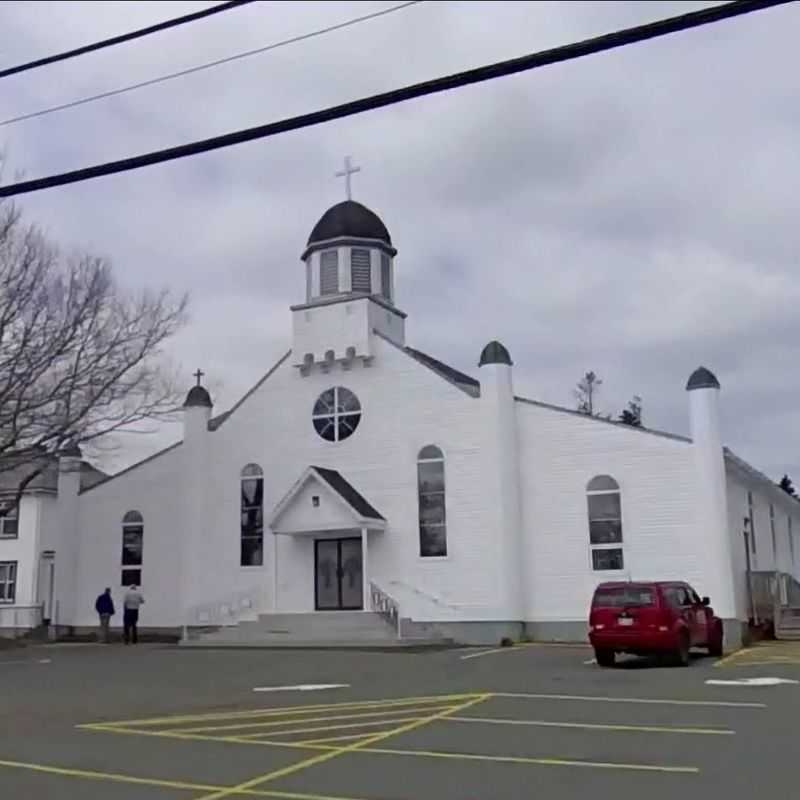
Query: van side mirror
[[706, 601]]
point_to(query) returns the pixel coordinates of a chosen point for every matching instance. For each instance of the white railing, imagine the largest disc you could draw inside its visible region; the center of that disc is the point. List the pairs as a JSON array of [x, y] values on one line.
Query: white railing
[[385, 605], [229, 610], [435, 604], [21, 617]]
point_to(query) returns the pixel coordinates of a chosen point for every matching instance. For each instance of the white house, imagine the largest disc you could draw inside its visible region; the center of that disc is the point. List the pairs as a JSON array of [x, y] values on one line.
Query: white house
[[360, 473]]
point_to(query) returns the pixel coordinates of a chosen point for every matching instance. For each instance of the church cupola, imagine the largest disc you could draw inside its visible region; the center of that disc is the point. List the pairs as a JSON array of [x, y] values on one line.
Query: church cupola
[[349, 266], [349, 252]]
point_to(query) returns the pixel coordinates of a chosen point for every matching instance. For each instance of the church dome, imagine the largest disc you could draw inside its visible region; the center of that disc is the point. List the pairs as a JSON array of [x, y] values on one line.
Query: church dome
[[198, 396], [495, 353], [349, 219], [702, 378]]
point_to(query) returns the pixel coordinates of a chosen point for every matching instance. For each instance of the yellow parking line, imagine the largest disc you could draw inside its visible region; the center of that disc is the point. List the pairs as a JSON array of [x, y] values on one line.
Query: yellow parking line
[[330, 727], [115, 777], [332, 739], [338, 751], [732, 657], [303, 720], [595, 726], [286, 710]]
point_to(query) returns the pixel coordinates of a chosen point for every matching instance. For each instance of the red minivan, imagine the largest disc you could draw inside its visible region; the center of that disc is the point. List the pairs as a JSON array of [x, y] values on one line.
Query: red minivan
[[644, 618]]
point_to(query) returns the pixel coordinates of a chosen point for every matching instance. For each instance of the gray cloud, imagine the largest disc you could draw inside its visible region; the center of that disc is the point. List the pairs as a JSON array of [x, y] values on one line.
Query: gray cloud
[[632, 212]]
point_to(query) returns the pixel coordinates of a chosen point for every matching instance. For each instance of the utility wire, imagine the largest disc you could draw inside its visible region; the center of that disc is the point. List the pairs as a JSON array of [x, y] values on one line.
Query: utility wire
[[500, 69], [210, 64], [125, 37]]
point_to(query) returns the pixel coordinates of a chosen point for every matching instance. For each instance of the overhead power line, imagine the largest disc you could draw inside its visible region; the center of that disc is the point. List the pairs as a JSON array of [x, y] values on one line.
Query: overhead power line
[[500, 69], [208, 65], [125, 37]]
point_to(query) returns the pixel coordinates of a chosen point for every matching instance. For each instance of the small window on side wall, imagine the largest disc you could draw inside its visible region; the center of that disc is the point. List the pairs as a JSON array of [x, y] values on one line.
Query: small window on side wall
[[9, 523], [605, 523], [132, 548]]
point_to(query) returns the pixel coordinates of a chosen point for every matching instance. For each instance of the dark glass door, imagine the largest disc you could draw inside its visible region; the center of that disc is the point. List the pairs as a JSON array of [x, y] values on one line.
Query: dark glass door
[[338, 574]]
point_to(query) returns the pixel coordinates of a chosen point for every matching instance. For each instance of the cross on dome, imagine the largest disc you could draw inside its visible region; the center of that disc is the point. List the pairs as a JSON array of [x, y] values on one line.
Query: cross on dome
[[348, 170]]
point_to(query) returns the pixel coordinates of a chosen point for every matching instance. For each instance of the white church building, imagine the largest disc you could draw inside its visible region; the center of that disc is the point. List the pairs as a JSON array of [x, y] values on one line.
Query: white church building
[[360, 474]]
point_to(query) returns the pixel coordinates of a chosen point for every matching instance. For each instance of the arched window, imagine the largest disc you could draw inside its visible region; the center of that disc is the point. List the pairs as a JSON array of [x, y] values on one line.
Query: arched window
[[252, 516], [430, 488], [132, 548], [605, 523]]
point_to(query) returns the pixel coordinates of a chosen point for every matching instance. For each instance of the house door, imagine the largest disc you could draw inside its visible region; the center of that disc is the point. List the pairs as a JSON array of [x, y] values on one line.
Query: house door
[[338, 574]]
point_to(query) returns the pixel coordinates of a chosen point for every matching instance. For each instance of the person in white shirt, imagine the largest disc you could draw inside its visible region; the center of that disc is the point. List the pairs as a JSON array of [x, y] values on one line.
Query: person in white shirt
[[130, 615]]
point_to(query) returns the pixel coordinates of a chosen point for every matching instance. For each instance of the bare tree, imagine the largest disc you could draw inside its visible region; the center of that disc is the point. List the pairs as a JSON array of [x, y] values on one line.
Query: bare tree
[[586, 393], [79, 357]]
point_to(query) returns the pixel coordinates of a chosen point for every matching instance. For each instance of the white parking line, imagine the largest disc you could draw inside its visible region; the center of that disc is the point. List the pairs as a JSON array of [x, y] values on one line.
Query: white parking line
[[654, 701], [594, 726], [486, 652]]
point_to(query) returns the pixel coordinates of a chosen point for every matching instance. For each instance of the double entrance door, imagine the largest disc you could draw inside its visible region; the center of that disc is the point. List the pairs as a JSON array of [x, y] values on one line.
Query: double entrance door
[[338, 575]]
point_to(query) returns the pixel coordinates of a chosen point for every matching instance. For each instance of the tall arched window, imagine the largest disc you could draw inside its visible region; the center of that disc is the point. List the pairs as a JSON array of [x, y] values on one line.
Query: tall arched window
[[430, 487], [132, 548], [605, 523], [252, 516]]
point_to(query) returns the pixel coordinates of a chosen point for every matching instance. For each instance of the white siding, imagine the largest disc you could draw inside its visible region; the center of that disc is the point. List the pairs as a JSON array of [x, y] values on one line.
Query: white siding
[[559, 453]]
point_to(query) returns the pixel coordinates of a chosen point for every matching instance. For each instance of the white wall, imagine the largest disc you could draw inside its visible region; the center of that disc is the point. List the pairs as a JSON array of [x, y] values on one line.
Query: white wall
[[559, 453], [405, 406], [154, 489]]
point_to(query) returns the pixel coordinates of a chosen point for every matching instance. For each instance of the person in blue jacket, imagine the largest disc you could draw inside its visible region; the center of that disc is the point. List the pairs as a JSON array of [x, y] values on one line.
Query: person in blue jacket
[[104, 605]]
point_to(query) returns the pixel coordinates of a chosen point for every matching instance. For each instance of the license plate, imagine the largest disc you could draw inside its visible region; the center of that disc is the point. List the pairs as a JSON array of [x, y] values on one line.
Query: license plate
[[625, 621]]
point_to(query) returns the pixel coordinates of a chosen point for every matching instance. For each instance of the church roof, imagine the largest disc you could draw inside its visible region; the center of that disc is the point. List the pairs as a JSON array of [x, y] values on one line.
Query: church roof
[[348, 493], [350, 219], [461, 380], [47, 479]]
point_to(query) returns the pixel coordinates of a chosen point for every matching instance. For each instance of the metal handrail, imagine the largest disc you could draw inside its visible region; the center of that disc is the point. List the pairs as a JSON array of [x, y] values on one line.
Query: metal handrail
[[385, 605]]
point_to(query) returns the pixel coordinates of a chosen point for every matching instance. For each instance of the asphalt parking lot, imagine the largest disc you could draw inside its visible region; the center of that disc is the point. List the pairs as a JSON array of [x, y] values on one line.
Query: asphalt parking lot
[[115, 723]]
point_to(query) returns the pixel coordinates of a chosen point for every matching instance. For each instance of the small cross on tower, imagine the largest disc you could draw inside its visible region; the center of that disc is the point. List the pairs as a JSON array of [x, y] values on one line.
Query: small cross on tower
[[348, 170], [199, 374]]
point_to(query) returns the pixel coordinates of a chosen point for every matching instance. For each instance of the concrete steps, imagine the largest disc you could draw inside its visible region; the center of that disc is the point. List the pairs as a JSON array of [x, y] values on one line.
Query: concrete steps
[[788, 624], [339, 629]]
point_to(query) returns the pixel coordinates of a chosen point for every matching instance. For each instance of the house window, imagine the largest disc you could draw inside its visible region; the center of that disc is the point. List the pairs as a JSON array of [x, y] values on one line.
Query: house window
[[8, 581], [386, 277], [605, 523], [252, 516], [336, 414], [752, 523], [791, 537], [132, 548], [430, 489], [9, 523], [360, 270], [329, 272], [772, 534]]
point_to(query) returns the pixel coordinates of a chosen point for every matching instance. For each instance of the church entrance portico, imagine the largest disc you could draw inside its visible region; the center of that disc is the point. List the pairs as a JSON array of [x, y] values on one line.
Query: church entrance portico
[[323, 509]]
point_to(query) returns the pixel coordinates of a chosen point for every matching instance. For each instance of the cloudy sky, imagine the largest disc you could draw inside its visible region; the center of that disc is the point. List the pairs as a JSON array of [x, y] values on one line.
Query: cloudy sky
[[634, 212]]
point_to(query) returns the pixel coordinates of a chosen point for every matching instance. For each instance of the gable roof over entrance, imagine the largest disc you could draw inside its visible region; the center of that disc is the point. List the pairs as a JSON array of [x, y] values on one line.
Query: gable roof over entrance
[[324, 500]]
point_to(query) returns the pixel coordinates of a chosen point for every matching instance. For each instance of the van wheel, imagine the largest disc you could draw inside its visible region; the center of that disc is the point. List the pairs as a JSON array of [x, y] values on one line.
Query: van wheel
[[681, 658], [605, 658]]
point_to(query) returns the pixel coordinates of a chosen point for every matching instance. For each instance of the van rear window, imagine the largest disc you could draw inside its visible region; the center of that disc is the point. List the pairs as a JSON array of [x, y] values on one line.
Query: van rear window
[[624, 596]]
